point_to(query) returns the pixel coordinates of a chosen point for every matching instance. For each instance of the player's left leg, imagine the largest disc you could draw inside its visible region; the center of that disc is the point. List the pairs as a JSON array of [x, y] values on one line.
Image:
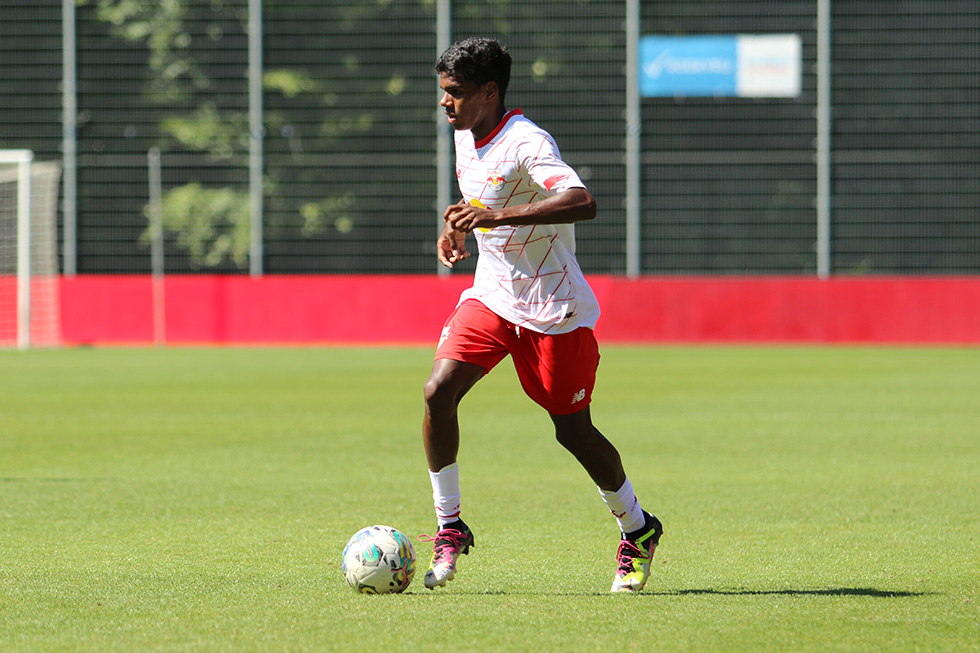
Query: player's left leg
[[641, 531], [558, 372], [595, 453]]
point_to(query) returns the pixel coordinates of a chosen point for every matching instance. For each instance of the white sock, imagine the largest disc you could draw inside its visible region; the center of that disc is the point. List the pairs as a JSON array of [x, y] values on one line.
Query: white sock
[[624, 507], [445, 493]]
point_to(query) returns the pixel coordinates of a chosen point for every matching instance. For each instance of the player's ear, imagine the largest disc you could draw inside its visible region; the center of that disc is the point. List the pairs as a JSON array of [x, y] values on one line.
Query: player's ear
[[491, 91]]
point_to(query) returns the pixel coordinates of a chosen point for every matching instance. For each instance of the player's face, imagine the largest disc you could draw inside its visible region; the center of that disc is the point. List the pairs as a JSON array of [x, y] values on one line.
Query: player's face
[[469, 105]]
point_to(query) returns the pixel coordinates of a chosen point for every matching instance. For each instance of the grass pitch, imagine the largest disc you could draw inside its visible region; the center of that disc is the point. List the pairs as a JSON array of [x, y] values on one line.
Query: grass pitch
[[198, 499]]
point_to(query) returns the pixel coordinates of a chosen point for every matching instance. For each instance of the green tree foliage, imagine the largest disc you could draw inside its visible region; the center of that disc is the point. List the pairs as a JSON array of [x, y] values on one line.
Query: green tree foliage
[[160, 25], [212, 223]]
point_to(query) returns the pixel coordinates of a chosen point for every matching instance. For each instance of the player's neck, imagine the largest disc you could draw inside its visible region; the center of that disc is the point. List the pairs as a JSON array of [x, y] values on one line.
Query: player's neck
[[503, 119], [490, 125]]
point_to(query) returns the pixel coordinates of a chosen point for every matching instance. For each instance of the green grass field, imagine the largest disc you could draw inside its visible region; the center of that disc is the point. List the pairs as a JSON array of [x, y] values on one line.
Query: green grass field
[[198, 499]]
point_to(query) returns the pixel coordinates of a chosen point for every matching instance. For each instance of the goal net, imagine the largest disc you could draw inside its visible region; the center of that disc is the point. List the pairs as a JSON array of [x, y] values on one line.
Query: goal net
[[29, 301]]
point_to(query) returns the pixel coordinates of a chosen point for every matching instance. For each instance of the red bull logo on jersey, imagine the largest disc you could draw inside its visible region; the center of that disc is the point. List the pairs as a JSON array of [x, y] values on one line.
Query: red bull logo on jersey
[[495, 180]]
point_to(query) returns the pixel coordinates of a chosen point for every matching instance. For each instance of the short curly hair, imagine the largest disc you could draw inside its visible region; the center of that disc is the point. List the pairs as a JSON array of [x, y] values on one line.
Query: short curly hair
[[478, 60]]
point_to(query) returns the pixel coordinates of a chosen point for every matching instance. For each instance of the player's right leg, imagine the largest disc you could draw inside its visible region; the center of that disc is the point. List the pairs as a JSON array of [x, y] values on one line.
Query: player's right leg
[[470, 347], [451, 541], [449, 382]]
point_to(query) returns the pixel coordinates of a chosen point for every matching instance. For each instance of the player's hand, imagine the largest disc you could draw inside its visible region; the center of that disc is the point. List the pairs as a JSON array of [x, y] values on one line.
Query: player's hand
[[451, 246], [467, 217]]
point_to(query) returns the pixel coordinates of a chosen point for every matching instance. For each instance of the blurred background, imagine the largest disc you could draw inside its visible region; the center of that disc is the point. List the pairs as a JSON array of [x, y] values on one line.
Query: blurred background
[[350, 180]]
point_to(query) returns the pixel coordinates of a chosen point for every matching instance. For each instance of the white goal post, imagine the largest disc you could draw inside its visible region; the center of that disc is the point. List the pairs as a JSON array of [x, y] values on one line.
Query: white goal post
[[29, 281]]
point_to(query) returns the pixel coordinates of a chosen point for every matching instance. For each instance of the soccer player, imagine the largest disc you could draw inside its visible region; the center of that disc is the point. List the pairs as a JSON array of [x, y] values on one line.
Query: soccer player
[[529, 299]]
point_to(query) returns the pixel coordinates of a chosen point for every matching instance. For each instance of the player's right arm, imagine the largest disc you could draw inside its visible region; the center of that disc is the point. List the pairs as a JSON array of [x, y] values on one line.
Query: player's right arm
[[451, 245]]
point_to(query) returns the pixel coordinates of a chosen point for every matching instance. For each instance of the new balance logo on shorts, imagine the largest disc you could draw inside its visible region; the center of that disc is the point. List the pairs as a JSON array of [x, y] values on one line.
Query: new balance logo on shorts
[[578, 396]]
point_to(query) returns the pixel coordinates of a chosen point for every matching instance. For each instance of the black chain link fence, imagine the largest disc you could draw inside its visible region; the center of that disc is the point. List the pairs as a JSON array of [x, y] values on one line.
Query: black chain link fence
[[350, 176]]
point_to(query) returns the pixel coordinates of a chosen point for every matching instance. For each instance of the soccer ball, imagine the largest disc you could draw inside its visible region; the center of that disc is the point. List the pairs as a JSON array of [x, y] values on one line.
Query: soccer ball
[[378, 560]]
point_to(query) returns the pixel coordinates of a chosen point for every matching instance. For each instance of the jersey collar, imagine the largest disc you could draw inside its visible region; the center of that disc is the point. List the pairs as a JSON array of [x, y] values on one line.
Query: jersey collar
[[496, 130]]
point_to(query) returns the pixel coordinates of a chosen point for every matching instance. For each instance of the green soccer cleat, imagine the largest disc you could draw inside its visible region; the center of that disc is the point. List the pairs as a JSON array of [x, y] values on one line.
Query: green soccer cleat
[[635, 555], [451, 541]]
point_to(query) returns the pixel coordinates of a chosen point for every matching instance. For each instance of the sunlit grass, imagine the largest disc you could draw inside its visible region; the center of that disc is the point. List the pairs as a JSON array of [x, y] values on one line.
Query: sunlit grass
[[198, 499]]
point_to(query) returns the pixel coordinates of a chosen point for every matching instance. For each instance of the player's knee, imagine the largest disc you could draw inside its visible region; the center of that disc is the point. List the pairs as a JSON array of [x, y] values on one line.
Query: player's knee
[[439, 394]]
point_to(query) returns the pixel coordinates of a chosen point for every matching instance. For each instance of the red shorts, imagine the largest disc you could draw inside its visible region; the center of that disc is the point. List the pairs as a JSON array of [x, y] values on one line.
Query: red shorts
[[556, 371]]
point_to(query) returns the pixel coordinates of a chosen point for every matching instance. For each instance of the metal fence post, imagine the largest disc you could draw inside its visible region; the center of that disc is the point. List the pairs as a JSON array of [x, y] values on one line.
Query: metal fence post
[[256, 134], [69, 122], [443, 130], [632, 150], [156, 245], [823, 139], [24, 237]]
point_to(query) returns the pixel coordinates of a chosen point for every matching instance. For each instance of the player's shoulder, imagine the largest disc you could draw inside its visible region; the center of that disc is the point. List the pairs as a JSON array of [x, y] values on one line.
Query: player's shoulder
[[521, 125], [527, 139]]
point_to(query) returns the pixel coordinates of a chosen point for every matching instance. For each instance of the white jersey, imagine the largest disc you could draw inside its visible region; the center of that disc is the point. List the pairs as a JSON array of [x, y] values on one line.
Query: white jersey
[[527, 274]]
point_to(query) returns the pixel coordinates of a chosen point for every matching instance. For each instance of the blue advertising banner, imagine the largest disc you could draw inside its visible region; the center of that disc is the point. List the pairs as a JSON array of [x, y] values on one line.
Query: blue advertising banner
[[720, 66], [687, 65]]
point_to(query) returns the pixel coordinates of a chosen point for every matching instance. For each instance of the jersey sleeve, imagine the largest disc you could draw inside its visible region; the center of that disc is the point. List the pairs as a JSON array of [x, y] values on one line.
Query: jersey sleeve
[[539, 156]]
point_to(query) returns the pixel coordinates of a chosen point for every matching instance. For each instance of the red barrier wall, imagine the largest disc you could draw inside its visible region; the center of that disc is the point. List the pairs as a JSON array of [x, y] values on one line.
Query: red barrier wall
[[876, 310], [411, 309]]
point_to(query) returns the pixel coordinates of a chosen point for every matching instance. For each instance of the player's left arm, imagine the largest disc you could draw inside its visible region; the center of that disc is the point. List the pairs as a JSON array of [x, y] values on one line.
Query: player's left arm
[[568, 206], [566, 198]]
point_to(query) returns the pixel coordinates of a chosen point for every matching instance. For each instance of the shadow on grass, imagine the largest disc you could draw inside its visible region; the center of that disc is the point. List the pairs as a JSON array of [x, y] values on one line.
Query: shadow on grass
[[830, 591]]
